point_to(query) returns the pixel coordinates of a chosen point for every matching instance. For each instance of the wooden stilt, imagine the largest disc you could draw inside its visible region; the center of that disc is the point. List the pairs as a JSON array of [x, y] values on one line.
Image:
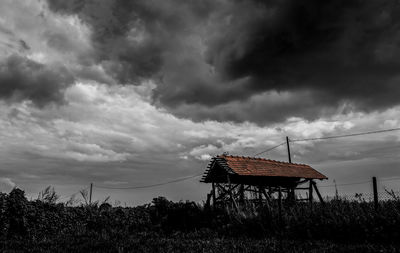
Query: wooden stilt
[[317, 191], [213, 194], [310, 192], [208, 200], [268, 199], [280, 204], [293, 194], [241, 193]]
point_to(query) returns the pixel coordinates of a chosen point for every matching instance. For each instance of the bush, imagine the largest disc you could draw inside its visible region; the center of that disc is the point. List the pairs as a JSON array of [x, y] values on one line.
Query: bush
[[45, 224]]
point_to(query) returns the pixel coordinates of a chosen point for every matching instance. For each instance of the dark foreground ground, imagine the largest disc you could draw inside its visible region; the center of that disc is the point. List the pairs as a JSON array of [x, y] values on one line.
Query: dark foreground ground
[[192, 243], [164, 226]]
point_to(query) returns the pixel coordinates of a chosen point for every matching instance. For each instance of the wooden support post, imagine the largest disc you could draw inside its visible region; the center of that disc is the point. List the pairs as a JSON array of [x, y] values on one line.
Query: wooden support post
[[229, 193], [290, 195], [241, 192], [223, 191], [208, 200], [213, 194], [267, 198], [280, 204], [375, 186], [230, 189], [317, 191], [310, 192], [235, 205], [229, 180], [260, 195]]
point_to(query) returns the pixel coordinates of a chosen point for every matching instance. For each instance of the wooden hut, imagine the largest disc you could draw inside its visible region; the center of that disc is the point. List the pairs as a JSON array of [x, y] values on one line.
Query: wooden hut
[[235, 179]]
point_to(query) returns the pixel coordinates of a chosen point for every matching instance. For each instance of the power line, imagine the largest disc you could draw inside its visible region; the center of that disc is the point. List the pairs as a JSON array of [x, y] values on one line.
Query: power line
[[354, 183], [148, 186], [274, 147], [362, 182], [264, 151], [390, 179], [330, 137], [347, 135]]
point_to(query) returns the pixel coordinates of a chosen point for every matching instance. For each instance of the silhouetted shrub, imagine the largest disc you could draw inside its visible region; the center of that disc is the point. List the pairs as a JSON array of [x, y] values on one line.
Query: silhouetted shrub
[[45, 224], [16, 211]]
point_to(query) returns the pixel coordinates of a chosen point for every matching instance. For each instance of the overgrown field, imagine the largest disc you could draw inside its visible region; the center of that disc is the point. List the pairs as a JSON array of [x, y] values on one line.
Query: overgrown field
[[165, 226]]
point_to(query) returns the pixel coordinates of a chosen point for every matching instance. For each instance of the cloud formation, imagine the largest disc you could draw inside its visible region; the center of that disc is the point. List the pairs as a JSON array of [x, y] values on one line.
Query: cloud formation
[[6, 183], [140, 92], [111, 135], [205, 56], [223, 60], [22, 78], [41, 53]]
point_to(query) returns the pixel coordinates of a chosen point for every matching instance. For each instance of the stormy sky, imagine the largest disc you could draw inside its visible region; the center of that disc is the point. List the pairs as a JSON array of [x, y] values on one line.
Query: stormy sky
[[130, 93]]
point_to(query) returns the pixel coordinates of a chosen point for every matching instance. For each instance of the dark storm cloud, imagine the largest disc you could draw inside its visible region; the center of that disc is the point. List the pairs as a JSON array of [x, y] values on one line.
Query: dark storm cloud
[[209, 54], [22, 78], [343, 50], [134, 38], [262, 108]]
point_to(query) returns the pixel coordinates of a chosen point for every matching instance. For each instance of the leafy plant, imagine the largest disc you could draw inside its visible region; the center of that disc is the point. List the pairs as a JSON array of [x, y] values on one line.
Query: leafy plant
[[48, 195]]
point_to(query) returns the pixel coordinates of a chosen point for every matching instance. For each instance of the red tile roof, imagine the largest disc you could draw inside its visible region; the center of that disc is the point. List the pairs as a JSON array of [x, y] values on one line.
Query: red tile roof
[[250, 166]]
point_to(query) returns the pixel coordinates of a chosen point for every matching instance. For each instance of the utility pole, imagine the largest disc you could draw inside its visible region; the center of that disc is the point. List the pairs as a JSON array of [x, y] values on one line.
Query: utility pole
[[90, 194], [288, 149], [375, 188]]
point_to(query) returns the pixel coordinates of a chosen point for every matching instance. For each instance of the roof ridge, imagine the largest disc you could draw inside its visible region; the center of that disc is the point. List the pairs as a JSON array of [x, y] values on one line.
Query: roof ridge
[[248, 166], [259, 158]]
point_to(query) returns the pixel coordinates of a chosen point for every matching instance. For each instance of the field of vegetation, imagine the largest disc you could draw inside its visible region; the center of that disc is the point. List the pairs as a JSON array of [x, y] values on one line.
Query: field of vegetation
[[43, 225]]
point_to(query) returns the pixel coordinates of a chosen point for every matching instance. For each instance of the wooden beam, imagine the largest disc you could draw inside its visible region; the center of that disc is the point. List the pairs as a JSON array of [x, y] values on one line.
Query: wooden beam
[[241, 193], [252, 190], [230, 192], [317, 191], [229, 188], [213, 194], [291, 196], [305, 199], [260, 195], [248, 187], [222, 190], [208, 200], [268, 198], [310, 191], [302, 188], [227, 191], [303, 181], [280, 204]]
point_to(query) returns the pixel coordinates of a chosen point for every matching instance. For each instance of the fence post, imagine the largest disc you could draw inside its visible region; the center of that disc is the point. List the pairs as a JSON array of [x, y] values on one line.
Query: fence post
[[90, 194], [375, 192]]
